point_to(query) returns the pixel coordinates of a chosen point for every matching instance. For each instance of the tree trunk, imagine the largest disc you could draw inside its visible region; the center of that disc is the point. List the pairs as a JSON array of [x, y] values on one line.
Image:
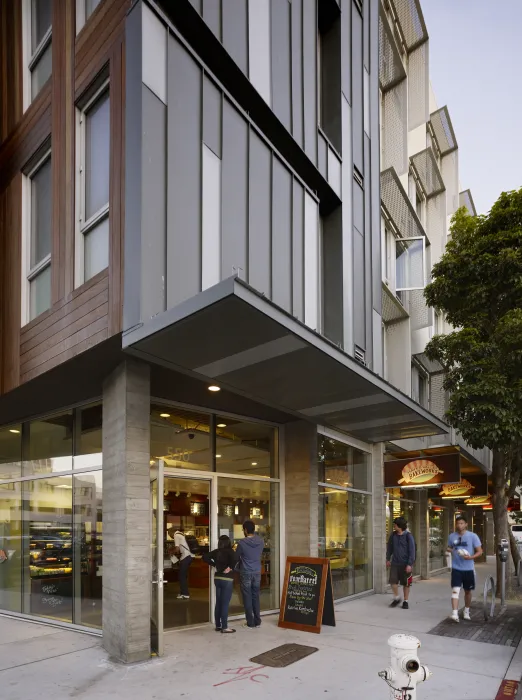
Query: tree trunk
[[500, 499]]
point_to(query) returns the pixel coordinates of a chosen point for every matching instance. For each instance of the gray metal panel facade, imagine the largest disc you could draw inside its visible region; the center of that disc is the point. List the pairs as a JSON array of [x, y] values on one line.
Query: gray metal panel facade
[[281, 63], [212, 15], [346, 53], [296, 15], [184, 143], [359, 310], [368, 252], [298, 250], [212, 116], [259, 225], [310, 79], [357, 90], [281, 235], [234, 192], [235, 31], [154, 205], [332, 273]]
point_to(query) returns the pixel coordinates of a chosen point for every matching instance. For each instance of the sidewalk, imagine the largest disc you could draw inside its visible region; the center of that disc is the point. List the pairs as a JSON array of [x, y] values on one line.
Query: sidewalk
[[39, 662]]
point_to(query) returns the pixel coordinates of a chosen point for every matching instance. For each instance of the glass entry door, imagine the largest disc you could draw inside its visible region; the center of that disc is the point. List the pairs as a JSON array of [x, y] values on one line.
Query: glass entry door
[[156, 622]]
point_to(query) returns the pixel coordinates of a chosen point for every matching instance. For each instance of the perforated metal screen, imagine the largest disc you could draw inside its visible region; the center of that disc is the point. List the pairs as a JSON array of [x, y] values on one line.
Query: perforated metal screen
[[411, 21], [391, 69], [420, 314], [395, 129], [450, 175], [398, 206], [436, 226], [438, 397], [466, 200], [392, 309], [443, 130], [427, 171]]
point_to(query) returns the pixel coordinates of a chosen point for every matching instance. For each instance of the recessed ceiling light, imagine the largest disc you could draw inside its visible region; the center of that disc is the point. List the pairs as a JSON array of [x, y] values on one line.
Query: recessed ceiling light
[[164, 415], [213, 387], [221, 425], [328, 480], [152, 462], [15, 431], [218, 456], [254, 464]]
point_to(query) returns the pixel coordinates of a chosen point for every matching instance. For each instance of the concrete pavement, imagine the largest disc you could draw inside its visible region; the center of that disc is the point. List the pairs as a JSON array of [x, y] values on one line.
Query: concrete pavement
[[39, 662]]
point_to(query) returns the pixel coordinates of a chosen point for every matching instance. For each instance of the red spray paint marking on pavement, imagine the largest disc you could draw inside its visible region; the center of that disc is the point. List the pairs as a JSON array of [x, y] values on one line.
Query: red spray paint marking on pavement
[[243, 673], [508, 690]]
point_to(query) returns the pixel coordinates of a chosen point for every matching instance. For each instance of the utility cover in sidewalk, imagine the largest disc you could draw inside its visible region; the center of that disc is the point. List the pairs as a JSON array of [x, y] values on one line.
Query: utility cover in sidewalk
[[284, 655], [504, 629]]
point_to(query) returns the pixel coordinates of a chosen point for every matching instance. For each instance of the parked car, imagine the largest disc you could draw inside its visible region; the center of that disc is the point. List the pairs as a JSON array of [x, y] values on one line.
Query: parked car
[[517, 533]]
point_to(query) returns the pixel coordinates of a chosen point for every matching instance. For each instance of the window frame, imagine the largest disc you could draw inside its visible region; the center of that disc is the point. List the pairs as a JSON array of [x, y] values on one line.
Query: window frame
[[404, 241], [82, 226], [81, 14], [30, 273], [30, 57]]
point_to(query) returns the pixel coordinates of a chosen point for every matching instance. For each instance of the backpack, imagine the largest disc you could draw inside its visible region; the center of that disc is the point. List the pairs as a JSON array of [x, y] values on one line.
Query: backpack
[[193, 544]]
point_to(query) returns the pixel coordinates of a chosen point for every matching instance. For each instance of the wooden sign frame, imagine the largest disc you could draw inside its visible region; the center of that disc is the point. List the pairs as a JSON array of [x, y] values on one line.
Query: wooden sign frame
[[325, 608]]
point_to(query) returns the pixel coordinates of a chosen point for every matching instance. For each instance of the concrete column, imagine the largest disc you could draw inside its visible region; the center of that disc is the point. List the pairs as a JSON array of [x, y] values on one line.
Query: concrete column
[[301, 492], [424, 542], [127, 513], [380, 578]]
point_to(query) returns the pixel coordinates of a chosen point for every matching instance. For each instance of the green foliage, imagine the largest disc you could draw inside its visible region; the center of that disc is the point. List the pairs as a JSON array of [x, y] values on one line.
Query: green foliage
[[478, 285]]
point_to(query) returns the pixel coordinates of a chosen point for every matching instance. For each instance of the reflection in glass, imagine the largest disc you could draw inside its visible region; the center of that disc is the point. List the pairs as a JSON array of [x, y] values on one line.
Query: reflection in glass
[[88, 535], [96, 251], [10, 452], [343, 465], [97, 152], [438, 535], [405, 503], [409, 254], [11, 542], [41, 213], [41, 71], [245, 448], [40, 292], [49, 445], [345, 537], [240, 500], [48, 560], [41, 20], [88, 448], [180, 437]]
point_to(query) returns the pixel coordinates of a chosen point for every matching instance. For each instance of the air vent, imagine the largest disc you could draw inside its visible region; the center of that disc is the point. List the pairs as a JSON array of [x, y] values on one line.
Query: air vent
[[359, 179], [359, 355]]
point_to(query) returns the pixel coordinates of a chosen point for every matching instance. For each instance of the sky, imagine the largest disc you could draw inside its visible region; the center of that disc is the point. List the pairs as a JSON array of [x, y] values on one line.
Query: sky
[[476, 70]]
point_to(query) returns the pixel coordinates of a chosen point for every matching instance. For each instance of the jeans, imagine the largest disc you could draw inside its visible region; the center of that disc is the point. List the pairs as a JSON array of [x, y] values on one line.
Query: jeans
[[183, 575], [223, 595], [250, 585]]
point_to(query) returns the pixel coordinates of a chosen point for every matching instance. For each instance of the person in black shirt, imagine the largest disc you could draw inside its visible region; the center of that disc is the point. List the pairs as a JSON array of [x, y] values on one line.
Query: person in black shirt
[[400, 556], [224, 559]]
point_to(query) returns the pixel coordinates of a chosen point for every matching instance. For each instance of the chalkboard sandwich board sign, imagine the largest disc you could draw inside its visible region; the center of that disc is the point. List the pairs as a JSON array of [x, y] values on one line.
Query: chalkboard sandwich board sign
[[307, 601]]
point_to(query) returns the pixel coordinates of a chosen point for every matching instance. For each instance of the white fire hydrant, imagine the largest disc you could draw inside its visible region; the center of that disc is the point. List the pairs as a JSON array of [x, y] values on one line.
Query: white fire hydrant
[[405, 670]]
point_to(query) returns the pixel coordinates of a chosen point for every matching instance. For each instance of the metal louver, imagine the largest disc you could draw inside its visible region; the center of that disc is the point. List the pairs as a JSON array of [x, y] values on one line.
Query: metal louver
[[425, 165], [443, 130], [466, 200], [398, 207], [411, 22], [391, 69]]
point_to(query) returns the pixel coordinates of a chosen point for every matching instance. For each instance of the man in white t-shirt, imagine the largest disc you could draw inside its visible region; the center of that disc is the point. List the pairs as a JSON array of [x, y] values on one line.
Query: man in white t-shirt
[[182, 551]]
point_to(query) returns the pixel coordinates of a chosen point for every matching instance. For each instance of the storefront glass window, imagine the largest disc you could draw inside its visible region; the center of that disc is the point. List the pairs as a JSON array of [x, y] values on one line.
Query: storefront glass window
[[243, 499], [10, 452], [345, 517], [88, 447], [49, 445], [405, 503], [245, 448], [88, 537], [438, 518], [11, 543], [48, 559], [180, 437]]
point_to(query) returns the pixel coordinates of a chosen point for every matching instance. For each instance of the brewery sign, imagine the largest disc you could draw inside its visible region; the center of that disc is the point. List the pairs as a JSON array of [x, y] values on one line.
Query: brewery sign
[[422, 471]]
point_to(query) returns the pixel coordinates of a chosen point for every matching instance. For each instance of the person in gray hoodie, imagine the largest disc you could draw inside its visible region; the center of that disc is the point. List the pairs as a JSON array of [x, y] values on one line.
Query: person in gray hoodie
[[250, 551]]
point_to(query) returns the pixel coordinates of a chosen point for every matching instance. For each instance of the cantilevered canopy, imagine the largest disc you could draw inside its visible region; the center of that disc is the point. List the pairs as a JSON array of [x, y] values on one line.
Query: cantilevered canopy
[[233, 337]]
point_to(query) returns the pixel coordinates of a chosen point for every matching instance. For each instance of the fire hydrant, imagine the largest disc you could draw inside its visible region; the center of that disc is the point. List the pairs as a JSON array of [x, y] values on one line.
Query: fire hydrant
[[405, 670]]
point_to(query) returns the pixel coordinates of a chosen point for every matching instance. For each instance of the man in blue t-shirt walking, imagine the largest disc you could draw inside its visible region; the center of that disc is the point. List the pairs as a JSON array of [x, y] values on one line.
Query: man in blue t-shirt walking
[[465, 547]]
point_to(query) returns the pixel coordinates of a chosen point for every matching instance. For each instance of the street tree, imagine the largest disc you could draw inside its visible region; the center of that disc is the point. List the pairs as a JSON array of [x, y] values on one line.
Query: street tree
[[477, 284]]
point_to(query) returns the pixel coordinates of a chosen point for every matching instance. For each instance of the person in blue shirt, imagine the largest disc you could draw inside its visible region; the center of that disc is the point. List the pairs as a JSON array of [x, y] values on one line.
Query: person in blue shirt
[[465, 547]]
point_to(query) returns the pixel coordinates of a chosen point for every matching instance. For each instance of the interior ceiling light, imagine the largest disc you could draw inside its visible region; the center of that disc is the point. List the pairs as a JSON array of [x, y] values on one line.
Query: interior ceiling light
[[213, 387], [15, 431], [218, 456], [221, 425], [164, 415], [254, 464]]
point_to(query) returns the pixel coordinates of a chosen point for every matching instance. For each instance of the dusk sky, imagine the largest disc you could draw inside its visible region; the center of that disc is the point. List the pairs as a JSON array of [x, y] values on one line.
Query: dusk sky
[[475, 68]]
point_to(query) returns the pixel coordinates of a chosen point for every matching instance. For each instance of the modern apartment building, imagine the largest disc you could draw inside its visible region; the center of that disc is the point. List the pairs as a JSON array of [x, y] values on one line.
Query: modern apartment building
[[195, 328], [420, 192]]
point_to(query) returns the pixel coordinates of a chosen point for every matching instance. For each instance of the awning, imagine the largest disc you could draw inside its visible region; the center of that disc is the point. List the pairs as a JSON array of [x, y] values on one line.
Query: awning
[[443, 130], [466, 200], [232, 336], [398, 207], [391, 68], [411, 22], [425, 165]]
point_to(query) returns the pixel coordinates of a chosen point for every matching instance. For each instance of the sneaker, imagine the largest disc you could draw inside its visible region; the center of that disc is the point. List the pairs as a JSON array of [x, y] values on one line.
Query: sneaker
[[258, 626], [247, 626], [466, 615], [183, 597], [395, 602], [228, 630], [454, 617], [218, 629], [405, 605]]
